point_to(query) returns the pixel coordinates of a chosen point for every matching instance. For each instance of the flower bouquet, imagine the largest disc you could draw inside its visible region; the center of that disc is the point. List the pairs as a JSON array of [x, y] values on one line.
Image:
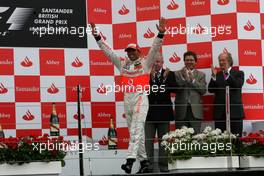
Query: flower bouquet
[[253, 144], [32, 149], [183, 144]]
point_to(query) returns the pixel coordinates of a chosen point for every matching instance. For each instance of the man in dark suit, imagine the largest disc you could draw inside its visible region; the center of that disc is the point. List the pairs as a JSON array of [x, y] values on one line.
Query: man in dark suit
[[160, 111], [191, 85], [233, 78]]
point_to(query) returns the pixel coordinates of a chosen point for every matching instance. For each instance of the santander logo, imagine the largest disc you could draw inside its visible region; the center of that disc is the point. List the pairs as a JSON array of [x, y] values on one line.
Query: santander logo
[[75, 116], [77, 62], [223, 2], [251, 79], [101, 89], [172, 6], [103, 141], [28, 116], [249, 26], [225, 51], [26, 62], [123, 10], [53, 89], [174, 58], [149, 34], [3, 89], [199, 29]]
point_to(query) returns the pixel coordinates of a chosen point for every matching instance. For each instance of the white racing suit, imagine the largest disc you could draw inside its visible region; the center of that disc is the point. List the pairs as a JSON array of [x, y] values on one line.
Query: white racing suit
[[135, 74]]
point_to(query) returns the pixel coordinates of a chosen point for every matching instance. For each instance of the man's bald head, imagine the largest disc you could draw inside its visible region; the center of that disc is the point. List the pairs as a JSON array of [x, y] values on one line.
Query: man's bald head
[[225, 61], [159, 61]]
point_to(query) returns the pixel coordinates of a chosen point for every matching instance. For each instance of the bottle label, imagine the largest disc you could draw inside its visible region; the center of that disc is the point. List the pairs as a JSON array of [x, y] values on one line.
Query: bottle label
[[54, 127], [112, 141]]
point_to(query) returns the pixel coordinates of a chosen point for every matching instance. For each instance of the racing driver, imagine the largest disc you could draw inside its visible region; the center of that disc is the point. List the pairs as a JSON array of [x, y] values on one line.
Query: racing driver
[[134, 72]]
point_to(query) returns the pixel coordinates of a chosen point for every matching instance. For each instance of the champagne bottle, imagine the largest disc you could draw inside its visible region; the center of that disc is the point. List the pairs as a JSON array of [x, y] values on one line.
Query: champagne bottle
[[112, 136], [54, 122], [2, 134]]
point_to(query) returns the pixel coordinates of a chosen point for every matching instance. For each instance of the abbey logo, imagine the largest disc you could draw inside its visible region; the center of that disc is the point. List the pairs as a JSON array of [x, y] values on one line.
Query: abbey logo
[[13, 19]]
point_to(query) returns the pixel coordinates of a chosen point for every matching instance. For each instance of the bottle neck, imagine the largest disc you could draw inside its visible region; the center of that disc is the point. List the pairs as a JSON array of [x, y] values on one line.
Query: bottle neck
[[54, 109], [112, 123], [112, 126]]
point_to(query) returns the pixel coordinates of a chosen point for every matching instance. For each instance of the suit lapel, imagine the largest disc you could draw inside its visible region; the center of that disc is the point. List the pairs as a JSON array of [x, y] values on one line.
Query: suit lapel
[[162, 72], [232, 71], [159, 80], [182, 72]]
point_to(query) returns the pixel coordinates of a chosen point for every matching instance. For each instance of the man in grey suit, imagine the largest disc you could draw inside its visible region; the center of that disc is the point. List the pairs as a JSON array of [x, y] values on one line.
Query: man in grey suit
[[191, 85]]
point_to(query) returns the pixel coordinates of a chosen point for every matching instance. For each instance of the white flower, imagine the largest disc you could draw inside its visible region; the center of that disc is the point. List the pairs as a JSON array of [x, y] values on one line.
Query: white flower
[[165, 137], [216, 132], [188, 137], [182, 133], [177, 131], [172, 135], [233, 136], [217, 137], [178, 135], [184, 127], [190, 130], [226, 135], [207, 129], [199, 137], [164, 143], [217, 129]]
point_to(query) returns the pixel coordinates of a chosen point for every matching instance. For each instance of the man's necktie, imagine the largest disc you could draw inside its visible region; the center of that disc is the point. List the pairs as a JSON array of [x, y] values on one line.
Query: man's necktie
[[158, 76], [225, 75]]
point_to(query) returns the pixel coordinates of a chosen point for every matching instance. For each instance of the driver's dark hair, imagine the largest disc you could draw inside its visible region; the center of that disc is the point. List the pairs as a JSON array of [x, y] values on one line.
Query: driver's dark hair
[[190, 53]]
